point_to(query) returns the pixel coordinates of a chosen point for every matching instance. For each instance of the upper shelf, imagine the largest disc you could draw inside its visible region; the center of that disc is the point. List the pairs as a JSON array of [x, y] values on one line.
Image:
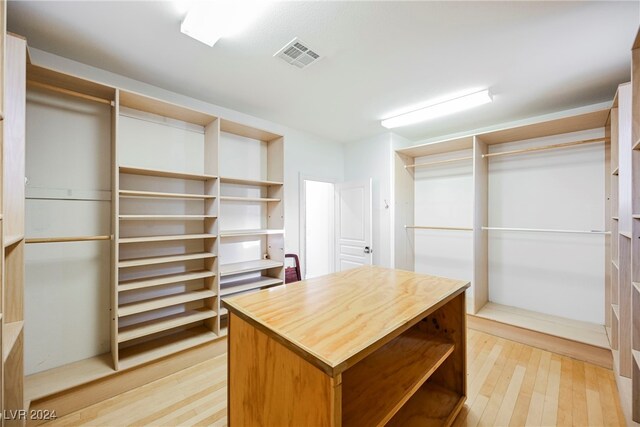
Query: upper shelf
[[228, 180], [246, 131], [165, 174], [164, 108], [136, 194], [248, 199], [439, 147]]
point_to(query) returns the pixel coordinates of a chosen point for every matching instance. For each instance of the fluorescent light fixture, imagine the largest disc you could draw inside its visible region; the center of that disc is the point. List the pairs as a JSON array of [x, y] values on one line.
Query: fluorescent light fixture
[[209, 21], [440, 109]]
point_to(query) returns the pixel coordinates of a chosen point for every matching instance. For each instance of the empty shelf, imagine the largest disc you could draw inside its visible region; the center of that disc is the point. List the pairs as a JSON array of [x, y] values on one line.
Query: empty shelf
[[146, 239], [163, 259], [144, 329], [248, 266], [134, 194], [248, 199], [164, 346], [165, 217], [10, 333], [247, 285], [390, 376], [129, 285], [166, 301], [432, 405], [236, 233], [228, 180], [165, 174]]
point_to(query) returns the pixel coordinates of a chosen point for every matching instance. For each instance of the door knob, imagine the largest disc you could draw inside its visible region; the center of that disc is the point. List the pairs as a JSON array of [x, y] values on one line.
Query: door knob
[[367, 250]]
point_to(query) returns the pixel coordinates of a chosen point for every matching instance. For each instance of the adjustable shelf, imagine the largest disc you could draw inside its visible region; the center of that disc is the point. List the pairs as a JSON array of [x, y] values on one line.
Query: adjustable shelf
[[237, 233], [166, 301], [165, 174], [137, 262], [390, 376], [149, 282], [235, 287], [248, 266], [248, 199], [432, 404], [168, 238], [151, 327], [165, 217], [164, 346], [241, 181], [137, 194]]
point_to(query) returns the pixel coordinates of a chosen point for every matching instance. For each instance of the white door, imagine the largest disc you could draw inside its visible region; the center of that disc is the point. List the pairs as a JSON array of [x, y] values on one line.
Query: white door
[[353, 224]]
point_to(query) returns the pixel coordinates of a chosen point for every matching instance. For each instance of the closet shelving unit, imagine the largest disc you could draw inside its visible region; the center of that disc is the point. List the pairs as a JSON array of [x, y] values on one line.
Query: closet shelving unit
[[167, 230], [576, 338], [251, 192], [13, 173]]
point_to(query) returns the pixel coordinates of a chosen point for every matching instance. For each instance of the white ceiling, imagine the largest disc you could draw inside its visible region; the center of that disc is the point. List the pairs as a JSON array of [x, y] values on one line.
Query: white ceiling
[[379, 57]]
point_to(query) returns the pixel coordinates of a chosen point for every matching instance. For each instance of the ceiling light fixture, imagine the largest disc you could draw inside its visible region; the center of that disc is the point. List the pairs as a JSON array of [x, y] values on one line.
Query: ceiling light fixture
[[209, 21], [440, 109]]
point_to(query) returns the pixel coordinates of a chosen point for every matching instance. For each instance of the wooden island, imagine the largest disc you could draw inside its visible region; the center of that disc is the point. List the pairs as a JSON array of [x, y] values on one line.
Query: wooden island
[[364, 347]]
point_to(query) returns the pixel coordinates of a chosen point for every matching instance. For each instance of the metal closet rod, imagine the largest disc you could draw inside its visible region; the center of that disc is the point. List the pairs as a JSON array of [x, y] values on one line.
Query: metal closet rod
[[547, 230], [67, 239], [438, 162], [546, 147], [430, 227], [69, 92]]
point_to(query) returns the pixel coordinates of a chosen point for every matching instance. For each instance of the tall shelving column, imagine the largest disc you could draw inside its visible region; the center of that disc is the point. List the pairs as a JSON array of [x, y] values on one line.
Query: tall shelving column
[[635, 249], [13, 173], [613, 308], [251, 211], [167, 231]]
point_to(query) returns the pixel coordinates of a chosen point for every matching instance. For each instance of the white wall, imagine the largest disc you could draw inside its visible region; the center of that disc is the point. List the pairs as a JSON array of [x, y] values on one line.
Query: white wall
[[304, 152], [371, 158], [319, 223]]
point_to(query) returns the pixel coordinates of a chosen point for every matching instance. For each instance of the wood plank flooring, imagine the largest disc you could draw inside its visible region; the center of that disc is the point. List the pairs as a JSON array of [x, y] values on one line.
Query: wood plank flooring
[[509, 384]]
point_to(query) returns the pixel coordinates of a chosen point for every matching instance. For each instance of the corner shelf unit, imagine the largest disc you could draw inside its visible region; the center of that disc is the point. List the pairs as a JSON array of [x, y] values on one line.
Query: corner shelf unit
[[418, 169]]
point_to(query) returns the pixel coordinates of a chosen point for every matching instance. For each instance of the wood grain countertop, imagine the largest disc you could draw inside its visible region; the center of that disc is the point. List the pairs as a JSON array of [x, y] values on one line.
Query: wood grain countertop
[[334, 321]]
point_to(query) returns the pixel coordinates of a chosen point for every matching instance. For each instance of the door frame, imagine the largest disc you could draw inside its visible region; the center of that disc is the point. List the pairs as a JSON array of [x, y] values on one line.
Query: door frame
[[302, 234]]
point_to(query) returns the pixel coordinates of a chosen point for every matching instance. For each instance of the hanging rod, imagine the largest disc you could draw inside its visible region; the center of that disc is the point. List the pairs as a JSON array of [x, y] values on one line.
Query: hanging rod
[[68, 92], [428, 227], [438, 162], [66, 239], [546, 147], [547, 230]]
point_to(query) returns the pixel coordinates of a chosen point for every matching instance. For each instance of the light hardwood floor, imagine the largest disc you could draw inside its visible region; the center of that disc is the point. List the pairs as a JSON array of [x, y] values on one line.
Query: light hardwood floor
[[508, 384]]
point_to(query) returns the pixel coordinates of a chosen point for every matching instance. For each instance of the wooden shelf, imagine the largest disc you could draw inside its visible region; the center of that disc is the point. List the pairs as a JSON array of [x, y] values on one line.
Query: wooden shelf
[[151, 327], [168, 238], [12, 240], [635, 216], [255, 182], [164, 346], [62, 378], [10, 333], [165, 174], [615, 172], [239, 233], [248, 266], [616, 310], [134, 194], [375, 389], [247, 199], [431, 406], [247, 285], [130, 285], [165, 217], [626, 234], [165, 301], [224, 311], [137, 262], [615, 218]]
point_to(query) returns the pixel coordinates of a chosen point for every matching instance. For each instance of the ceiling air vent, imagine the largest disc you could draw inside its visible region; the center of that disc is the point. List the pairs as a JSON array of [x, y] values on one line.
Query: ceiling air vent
[[297, 53]]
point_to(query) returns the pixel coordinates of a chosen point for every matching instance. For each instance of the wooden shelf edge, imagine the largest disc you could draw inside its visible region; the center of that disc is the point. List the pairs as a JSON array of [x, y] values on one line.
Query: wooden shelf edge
[[248, 285], [626, 234], [165, 259], [134, 194], [10, 333], [151, 327], [164, 301], [433, 404], [248, 267], [242, 233], [166, 238], [248, 199], [12, 240], [254, 182], [160, 173], [636, 146], [166, 279]]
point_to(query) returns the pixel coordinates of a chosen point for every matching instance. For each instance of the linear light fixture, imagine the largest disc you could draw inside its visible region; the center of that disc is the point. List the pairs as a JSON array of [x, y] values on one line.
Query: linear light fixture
[[438, 110], [209, 21]]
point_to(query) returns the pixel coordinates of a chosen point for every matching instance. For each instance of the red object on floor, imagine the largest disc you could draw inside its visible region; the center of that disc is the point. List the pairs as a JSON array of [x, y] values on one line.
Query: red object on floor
[[292, 274]]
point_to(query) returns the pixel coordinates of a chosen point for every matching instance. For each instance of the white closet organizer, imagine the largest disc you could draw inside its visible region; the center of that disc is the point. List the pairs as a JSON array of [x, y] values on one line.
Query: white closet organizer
[[252, 211], [514, 217]]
